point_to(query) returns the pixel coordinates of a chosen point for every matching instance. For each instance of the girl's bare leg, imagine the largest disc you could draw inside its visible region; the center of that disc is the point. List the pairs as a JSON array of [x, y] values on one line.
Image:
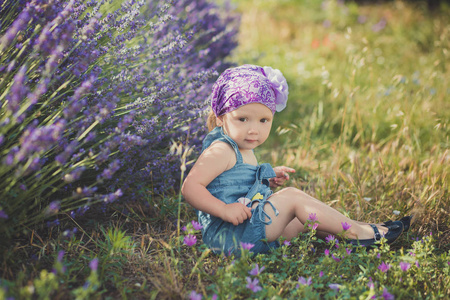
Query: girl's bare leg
[[294, 204], [295, 227]]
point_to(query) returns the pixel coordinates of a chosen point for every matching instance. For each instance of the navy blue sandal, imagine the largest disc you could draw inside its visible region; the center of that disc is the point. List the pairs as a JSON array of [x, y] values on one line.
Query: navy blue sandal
[[395, 229], [406, 221]]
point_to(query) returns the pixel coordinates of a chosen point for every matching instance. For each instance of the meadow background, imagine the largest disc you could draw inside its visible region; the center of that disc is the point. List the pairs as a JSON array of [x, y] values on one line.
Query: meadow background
[[89, 200]]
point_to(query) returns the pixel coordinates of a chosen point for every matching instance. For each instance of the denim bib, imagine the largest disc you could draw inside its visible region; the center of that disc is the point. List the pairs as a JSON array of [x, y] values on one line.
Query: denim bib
[[241, 181]]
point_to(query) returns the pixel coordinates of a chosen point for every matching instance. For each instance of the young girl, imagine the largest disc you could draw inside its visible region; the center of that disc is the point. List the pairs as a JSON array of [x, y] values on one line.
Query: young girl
[[231, 191]]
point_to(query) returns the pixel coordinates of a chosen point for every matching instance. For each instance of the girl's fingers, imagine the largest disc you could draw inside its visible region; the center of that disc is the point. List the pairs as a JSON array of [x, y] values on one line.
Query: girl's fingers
[[249, 212]]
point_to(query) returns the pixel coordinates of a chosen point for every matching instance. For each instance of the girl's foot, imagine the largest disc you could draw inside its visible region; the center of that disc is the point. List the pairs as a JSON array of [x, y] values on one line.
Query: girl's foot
[[367, 231], [391, 233]]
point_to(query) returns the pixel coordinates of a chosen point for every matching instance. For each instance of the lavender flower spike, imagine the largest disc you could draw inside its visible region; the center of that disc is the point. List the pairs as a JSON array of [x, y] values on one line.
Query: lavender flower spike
[[18, 90], [94, 265]]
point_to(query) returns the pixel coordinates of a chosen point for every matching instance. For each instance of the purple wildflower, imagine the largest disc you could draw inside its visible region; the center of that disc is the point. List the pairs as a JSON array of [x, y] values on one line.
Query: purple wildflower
[[247, 246], [384, 267], [386, 295], [417, 264], [327, 252], [190, 240], [69, 233], [330, 238], [303, 281], [362, 19], [60, 256], [53, 223], [349, 251], [334, 286], [113, 196], [404, 266], [379, 26], [94, 265], [312, 217], [287, 243], [371, 285], [3, 215], [345, 226], [184, 228], [54, 206], [321, 274], [256, 270], [196, 225], [336, 258], [214, 297], [194, 296], [253, 284]]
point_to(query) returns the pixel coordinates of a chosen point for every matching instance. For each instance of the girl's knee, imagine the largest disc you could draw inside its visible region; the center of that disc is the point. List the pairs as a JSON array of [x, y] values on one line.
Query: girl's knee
[[293, 192]]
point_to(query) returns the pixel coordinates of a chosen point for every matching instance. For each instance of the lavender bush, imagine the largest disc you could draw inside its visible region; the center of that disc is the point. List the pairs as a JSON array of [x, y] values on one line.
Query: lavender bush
[[92, 93], [172, 76]]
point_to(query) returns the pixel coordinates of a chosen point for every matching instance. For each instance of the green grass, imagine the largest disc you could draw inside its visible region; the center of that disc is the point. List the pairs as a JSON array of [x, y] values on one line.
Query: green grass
[[366, 128]]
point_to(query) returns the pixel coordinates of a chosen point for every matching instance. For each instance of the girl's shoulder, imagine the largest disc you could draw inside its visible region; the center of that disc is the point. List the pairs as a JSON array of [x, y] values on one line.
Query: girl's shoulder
[[221, 152]]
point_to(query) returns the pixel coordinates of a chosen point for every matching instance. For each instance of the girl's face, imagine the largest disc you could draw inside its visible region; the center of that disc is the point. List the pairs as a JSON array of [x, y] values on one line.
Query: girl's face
[[249, 125]]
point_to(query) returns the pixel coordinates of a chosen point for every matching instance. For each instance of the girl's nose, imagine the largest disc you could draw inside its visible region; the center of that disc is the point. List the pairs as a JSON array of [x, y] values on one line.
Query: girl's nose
[[252, 130]]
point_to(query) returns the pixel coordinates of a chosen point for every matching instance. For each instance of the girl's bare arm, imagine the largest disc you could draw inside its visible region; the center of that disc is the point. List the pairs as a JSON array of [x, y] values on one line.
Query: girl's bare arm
[[218, 158]]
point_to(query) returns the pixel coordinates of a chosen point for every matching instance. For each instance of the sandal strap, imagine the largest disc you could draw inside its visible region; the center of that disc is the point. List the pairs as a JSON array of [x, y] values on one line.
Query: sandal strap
[[376, 232]]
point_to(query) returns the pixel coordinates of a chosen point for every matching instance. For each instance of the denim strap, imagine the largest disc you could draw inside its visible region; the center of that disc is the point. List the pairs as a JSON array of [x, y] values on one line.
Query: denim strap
[[263, 214]]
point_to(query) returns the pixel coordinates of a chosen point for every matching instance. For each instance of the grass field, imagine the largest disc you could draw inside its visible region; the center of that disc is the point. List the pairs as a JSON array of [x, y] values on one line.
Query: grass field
[[366, 128]]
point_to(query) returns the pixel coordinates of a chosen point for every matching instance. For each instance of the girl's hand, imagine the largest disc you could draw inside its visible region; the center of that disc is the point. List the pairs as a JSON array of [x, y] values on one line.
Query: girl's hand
[[282, 176], [236, 213]]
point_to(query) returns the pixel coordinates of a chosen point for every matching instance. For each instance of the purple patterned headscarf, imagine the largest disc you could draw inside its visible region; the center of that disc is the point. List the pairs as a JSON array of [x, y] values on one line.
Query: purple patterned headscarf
[[246, 84]]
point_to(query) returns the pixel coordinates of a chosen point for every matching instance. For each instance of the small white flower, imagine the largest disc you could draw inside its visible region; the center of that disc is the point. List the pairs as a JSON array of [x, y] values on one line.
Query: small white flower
[[396, 212], [367, 199]]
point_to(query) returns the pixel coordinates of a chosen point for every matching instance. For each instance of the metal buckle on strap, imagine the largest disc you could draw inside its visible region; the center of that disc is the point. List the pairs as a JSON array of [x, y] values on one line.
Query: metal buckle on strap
[[377, 234]]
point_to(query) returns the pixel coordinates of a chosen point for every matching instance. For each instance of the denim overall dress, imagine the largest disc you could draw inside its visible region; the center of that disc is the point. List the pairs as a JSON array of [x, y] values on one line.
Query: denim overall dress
[[242, 180]]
